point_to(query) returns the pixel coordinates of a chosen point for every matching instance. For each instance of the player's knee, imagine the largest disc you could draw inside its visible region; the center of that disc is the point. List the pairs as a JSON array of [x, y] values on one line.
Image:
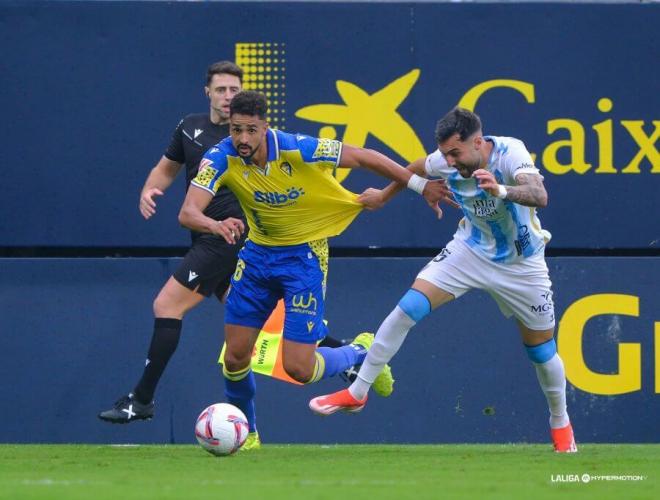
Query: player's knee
[[542, 353], [415, 304], [235, 362], [298, 372], [164, 307], [160, 308]]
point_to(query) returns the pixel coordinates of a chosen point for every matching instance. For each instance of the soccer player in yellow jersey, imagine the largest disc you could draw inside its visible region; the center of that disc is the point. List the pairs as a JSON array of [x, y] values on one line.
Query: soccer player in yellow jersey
[[292, 203]]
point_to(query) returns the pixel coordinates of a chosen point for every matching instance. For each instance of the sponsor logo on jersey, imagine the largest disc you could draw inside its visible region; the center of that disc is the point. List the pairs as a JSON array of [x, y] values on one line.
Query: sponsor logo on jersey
[[274, 198], [484, 208], [206, 173], [523, 240], [525, 165], [198, 131]]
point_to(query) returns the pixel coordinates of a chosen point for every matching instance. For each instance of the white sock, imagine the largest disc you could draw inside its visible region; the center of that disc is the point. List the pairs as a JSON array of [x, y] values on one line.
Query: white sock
[[389, 337], [552, 379]]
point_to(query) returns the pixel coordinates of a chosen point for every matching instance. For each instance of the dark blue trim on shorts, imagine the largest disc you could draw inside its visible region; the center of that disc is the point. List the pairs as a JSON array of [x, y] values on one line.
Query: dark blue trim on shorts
[[277, 249]]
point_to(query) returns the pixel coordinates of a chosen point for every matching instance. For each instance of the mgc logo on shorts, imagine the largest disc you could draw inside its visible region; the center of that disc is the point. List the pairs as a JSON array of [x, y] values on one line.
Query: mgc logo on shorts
[[546, 306]]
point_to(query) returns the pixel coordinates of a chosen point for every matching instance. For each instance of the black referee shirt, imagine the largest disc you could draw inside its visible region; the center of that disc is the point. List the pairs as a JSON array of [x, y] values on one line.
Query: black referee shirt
[[193, 136]]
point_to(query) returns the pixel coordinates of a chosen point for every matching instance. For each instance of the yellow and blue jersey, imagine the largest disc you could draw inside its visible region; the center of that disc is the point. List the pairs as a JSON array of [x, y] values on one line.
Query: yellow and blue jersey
[[295, 199]]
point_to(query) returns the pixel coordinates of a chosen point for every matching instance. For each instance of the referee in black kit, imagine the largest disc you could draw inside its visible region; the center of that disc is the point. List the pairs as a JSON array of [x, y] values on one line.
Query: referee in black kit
[[207, 267]]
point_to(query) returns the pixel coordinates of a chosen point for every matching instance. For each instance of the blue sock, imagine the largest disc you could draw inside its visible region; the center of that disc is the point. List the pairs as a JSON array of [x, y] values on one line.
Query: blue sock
[[241, 393], [337, 359]]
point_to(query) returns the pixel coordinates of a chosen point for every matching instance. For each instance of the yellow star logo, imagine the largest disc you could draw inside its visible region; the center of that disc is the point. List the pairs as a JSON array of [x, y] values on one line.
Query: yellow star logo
[[374, 114]]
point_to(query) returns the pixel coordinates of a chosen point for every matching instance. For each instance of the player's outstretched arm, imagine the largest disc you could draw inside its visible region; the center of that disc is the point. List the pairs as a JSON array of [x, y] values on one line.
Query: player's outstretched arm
[[159, 179], [353, 157], [432, 191], [528, 191], [192, 216], [373, 199]]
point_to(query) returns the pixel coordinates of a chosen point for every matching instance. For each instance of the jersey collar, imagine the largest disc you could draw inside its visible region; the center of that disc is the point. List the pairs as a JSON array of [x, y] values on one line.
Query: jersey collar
[[272, 149], [493, 152], [273, 145]]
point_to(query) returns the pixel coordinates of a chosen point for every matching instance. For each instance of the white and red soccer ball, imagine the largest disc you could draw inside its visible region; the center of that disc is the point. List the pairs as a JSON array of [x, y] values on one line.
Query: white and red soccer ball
[[221, 429]]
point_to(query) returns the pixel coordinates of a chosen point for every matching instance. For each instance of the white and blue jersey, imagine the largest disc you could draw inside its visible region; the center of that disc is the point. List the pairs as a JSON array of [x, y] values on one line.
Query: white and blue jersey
[[500, 230]]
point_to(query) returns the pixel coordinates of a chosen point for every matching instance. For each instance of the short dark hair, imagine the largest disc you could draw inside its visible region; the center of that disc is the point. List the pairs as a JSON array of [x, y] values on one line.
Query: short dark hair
[[224, 67], [249, 103], [458, 121]]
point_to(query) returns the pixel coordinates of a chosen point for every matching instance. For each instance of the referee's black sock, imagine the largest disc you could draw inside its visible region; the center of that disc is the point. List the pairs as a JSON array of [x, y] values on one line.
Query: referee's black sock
[[167, 332]]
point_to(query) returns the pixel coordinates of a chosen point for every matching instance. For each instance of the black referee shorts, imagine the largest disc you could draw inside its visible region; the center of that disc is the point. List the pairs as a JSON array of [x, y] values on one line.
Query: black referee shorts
[[209, 265]]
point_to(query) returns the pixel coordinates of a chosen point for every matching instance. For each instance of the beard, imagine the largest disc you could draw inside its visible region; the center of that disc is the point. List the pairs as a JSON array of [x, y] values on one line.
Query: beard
[[250, 151], [466, 170]]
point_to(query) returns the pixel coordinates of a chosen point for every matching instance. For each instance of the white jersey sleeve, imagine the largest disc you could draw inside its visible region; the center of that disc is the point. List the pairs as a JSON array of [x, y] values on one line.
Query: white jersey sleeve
[[517, 160], [436, 165]]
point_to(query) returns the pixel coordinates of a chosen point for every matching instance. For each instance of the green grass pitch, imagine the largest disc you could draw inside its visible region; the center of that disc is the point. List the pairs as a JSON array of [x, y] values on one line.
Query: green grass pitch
[[351, 472]]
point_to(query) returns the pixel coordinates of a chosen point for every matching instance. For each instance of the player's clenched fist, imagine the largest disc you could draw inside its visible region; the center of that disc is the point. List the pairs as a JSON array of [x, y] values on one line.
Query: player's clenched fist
[[486, 181], [230, 229], [372, 199]]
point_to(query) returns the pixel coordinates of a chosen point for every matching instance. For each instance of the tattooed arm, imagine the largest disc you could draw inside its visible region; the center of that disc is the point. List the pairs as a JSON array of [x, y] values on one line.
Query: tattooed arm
[[528, 191]]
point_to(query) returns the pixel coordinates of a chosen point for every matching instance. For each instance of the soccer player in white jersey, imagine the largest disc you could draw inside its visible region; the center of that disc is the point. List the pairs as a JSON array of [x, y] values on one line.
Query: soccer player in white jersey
[[498, 247]]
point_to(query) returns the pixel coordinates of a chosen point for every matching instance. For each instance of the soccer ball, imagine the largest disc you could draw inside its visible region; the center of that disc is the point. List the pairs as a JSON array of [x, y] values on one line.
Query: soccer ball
[[221, 429]]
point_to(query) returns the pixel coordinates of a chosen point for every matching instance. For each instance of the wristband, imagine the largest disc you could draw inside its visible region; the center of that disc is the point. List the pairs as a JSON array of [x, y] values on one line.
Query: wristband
[[417, 183], [501, 191]]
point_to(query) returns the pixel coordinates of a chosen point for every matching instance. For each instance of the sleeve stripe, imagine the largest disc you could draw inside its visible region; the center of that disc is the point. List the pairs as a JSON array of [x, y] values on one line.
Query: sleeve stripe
[[193, 183], [338, 159]]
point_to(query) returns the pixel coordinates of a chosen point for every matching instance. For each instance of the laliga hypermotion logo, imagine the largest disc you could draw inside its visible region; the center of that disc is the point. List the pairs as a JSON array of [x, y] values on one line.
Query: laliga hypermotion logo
[[365, 114]]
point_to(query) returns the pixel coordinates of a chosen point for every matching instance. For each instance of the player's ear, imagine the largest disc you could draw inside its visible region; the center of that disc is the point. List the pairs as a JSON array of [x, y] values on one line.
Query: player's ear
[[207, 91]]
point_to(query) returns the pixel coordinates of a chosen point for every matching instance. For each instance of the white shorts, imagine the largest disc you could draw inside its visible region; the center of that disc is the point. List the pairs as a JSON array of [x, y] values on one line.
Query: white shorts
[[522, 289]]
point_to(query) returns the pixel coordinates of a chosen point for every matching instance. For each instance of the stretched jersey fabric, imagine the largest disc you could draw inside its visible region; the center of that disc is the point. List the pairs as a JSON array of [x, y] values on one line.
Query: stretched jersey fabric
[[193, 136], [295, 199], [501, 230]]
